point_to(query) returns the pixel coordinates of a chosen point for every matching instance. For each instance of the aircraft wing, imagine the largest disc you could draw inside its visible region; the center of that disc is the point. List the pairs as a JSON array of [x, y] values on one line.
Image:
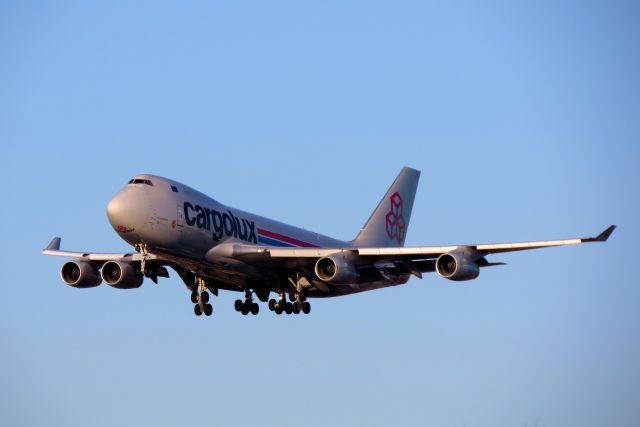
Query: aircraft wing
[[53, 249], [430, 252], [375, 253]]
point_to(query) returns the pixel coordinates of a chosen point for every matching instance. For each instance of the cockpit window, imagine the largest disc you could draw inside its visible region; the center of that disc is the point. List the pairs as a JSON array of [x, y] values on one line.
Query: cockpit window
[[140, 181]]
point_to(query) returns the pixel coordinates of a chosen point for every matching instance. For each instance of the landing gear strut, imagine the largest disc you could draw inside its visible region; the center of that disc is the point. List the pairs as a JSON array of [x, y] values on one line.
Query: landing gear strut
[[201, 300], [300, 304], [144, 254], [247, 306]]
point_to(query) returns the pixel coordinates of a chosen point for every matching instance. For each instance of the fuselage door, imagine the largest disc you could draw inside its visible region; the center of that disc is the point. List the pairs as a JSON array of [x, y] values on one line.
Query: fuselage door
[[179, 219]]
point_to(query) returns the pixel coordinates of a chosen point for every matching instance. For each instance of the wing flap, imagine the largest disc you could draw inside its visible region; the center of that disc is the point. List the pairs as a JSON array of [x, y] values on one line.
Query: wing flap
[[404, 251], [520, 246], [278, 252]]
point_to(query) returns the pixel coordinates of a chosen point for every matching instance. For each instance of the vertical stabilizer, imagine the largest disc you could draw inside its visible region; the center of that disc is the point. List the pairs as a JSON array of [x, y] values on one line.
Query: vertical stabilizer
[[388, 224]]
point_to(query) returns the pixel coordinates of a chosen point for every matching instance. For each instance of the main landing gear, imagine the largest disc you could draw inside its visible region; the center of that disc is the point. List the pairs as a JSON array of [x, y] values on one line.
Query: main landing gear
[[201, 300], [247, 306], [295, 307]]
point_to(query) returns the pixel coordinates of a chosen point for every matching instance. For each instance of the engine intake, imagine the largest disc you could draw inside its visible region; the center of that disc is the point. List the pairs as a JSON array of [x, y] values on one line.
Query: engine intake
[[336, 269], [457, 266], [80, 274], [121, 274]]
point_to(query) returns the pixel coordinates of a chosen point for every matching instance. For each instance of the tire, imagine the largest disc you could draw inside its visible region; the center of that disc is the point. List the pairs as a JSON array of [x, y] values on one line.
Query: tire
[[238, 305], [296, 309], [208, 309], [288, 308], [272, 305], [204, 297], [306, 307], [278, 310], [255, 308], [245, 310], [196, 310], [194, 297]]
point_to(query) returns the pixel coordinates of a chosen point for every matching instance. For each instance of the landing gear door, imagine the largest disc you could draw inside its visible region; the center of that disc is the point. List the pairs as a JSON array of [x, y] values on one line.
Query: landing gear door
[[179, 220]]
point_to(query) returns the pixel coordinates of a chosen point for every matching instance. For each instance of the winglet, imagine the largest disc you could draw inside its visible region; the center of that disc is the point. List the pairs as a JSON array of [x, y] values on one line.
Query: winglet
[[602, 237], [54, 245]]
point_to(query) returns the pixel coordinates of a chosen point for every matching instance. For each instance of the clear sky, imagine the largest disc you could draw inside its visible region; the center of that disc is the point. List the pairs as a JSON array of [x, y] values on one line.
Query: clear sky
[[524, 118]]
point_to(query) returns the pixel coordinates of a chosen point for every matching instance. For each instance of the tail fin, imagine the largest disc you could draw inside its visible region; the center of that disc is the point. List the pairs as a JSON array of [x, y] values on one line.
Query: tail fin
[[387, 225]]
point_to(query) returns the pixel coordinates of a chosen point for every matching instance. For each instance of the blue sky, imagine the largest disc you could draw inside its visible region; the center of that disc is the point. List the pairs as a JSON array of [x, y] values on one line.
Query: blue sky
[[523, 117]]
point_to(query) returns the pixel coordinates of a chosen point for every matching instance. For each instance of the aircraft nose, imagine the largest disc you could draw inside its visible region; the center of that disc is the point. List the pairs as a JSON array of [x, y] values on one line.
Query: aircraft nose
[[126, 211], [114, 210]]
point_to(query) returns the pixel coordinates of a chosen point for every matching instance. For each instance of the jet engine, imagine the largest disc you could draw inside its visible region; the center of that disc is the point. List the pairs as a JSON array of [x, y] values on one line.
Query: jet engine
[[80, 274], [121, 274], [457, 266], [336, 269]]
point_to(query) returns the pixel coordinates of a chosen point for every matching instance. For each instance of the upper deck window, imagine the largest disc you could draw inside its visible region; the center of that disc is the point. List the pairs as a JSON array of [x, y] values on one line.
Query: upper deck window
[[140, 181]]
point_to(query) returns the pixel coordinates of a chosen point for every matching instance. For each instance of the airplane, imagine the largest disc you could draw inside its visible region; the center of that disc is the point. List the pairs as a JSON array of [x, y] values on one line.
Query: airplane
[[215, 247]]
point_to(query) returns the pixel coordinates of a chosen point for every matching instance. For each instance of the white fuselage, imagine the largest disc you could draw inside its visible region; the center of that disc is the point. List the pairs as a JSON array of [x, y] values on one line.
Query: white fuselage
[[173, 217]]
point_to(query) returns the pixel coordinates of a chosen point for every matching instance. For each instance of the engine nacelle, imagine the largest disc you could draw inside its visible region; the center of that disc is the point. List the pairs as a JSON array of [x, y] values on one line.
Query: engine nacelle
[[457, 266], [121, 274], [336, 269], [80, 274]]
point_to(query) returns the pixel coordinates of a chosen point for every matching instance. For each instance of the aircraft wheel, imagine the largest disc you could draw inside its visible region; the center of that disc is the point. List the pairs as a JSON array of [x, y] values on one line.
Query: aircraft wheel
[[196, 310], [194, 297], [204, 297], [272, 304], [208, 309], [278, 310], [306, 307], [288, 308], [296, 308], [246, 308], [238, 305], [255, 308]]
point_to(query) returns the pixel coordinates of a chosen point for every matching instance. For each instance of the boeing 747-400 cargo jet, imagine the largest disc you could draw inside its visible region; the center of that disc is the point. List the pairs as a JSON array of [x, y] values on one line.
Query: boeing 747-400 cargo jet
[[214, 247]]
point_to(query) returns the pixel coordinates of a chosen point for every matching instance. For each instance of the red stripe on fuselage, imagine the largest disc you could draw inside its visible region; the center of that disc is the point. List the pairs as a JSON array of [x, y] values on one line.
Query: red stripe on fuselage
[[285, 239]]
